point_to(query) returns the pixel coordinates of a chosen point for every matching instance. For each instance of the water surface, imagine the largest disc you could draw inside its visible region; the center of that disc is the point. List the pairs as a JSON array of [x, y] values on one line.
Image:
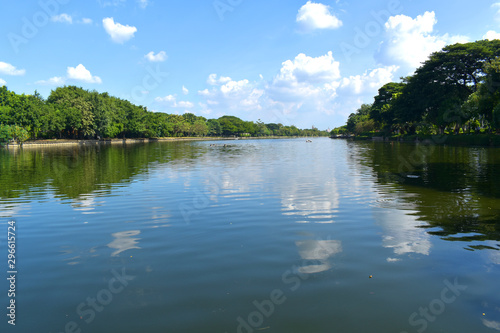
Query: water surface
[[261, 235]]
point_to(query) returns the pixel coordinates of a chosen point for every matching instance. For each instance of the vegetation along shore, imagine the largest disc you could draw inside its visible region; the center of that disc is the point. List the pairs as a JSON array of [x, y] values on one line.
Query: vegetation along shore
[[453, 98], [73, 113]]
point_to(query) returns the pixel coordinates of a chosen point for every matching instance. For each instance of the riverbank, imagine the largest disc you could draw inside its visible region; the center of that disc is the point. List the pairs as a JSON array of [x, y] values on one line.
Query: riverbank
[[483, 140], [64, 142]]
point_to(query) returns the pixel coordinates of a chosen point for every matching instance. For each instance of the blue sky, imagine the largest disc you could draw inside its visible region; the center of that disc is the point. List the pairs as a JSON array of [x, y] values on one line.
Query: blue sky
[[296, 62]]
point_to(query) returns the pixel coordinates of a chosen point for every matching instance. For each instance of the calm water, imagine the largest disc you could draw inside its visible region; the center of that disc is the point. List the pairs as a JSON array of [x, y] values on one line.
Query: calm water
[[260, 236]]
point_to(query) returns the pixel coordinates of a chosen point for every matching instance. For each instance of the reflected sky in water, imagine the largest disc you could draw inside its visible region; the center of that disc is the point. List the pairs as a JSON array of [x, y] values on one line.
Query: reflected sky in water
[[207, 231], [123, 241]]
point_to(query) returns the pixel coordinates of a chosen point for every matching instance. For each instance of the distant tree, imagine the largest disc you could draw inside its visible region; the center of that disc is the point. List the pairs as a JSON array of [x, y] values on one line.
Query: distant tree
[[200, 128], [214, 127]]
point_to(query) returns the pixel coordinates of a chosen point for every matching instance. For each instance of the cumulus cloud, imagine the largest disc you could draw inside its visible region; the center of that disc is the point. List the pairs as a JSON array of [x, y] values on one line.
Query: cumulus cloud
[[230, 96], [305, 87], [2, 82], [119, 33], [304, 68], [80, 73], [159, 57], [213, 80], [304, 78], [313, 16], [491, 35], [409, 42], [62, 18], [54, 81], [8, 69], [171, 101], [370, 81]]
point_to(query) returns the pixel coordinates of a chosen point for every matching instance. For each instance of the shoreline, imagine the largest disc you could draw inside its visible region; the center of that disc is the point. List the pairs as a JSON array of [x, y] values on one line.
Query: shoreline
[[66, 143], [467, 140]]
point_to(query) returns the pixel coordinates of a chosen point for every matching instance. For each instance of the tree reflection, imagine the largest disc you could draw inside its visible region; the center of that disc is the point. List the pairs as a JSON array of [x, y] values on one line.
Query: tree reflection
[[455, 191]]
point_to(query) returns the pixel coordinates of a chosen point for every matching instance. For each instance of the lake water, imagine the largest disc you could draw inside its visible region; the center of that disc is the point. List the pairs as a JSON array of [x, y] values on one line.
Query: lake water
[[259, 236]]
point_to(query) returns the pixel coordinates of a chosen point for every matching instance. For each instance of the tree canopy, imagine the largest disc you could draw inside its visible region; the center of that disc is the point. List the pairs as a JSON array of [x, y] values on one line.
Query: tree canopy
[[456, 89], [71, 112]]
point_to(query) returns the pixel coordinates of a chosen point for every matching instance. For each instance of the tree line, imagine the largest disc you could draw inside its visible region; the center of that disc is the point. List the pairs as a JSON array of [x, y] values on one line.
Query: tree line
[[71, 112], [455, 91]]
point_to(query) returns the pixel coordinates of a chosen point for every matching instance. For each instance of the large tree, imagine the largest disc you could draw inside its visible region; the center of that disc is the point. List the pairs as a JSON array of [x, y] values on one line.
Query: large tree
[[444, 82]]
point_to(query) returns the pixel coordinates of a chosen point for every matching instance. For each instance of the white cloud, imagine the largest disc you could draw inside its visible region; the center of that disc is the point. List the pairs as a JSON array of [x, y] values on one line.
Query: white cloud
[[54, 81], [119, 33], [409, 42], [491, 35], [314, 16], [2, 82], [304, 78], [185, 90], [232, 87], [171, 100], [304, 88], [159, 57], [185, 104], [115, 3], [491, 324], [143, 3], [8, 69], [80, 73], [304, 68], [369, 81], [496, 6], [62, 18], [214, 81], [86, 20]]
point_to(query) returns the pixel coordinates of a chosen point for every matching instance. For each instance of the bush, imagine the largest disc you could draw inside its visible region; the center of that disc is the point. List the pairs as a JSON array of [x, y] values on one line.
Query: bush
[[14, 132]]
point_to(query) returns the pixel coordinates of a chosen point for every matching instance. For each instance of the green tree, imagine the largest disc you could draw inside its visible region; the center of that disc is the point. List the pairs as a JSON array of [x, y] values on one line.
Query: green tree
[[382, 110], [200, 128], [444, 82], [362, 114], [214, 127]]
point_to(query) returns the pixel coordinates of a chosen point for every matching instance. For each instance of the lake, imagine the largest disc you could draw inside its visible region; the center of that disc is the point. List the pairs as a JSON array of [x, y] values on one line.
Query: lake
[[256, 236]]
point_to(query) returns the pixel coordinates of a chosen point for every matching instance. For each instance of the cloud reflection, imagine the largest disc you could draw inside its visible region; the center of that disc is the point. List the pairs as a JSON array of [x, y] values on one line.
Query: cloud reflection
[[86, 204], [123, 241], [402, 233], [320, 251], [10, 210]]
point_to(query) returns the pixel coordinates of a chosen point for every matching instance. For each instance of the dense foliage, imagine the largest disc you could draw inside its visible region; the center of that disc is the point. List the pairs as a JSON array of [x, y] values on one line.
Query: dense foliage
[[74, 113], [457, 90]]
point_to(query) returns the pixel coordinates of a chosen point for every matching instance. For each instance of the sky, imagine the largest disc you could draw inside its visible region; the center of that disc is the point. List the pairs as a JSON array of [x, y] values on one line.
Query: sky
[[295, 62]]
